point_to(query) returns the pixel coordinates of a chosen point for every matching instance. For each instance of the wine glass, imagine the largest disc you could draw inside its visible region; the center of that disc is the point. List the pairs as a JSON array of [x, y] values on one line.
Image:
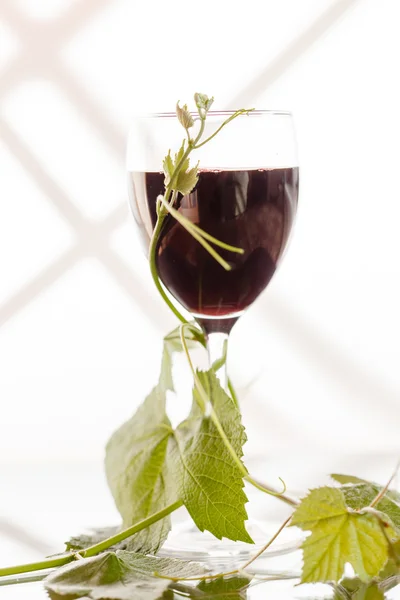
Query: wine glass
[[246, 196]]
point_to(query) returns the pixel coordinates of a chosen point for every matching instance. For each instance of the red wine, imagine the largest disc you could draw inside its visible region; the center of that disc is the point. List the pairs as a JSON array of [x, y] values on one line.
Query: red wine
[[249, 209]]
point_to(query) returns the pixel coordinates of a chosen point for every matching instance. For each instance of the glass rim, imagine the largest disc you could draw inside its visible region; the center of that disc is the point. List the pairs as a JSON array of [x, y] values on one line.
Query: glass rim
[[219, 113]]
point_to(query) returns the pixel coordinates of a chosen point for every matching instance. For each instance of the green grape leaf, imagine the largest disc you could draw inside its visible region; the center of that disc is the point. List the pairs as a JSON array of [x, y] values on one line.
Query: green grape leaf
[[361, 495], [232, 588], [393, 495], [351, 479], [184, 116], [390, 574], [94, 536], [173, 339], [345, 479], [172, 344], [137, 472], [223, 588], [369, 592], [209, 481], [118, 576], [166, 368], [338, 536], [355, 589]]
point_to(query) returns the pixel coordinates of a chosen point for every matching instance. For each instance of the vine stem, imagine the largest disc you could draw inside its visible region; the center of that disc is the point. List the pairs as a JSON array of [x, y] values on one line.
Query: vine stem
[[59, 561], [232, 392], [162, 211], [153, 268], [383, 491], [200, 235], [153, 249], [206, 405], [187, 224], [243, 111], [267, 545], [161, 214], [176, 214], [239, 570]]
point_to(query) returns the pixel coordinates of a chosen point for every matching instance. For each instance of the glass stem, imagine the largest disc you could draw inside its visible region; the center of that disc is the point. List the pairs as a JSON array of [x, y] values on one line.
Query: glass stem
[[217, 347]]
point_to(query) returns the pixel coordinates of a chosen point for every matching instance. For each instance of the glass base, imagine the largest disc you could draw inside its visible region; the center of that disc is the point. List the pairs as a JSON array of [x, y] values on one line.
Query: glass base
[[187, 542]]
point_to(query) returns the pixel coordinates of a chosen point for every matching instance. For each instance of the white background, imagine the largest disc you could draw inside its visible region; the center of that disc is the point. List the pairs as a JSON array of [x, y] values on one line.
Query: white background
[[316, 359], [81, 324]]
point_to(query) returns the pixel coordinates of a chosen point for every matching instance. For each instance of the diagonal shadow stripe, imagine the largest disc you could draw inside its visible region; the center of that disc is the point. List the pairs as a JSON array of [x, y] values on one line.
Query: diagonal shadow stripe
[[40, 283], [41, 57], [54, 71], [24, 537], [115, 219], [76, 17], [59, 29], [364, 386], [53, 193], [157, 314], [93, 241], [151, 305], [92, 112], [13, 73], [292, 53]]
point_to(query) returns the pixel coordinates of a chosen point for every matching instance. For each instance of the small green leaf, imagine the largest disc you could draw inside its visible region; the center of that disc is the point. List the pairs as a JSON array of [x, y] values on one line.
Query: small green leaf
[[168, 168], [184, 116], [203, 103], [137, 472], [338, 536], [351, 584], [173, 339], [117, 576], [186, 181], [179, 157], [209, 481]]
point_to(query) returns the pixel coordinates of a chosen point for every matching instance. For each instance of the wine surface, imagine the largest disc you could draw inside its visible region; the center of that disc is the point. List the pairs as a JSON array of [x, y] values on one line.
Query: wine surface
[[251, 209]]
